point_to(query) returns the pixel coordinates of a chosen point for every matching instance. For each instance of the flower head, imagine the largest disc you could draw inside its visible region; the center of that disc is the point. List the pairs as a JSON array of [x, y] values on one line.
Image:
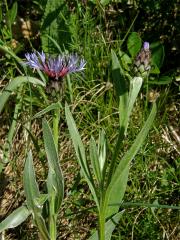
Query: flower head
[[55, 67], [142, 61]]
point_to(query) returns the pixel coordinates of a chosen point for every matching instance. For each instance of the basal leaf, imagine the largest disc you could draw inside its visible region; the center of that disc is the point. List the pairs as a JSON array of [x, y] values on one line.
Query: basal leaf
[[15, 218], [30, 185]]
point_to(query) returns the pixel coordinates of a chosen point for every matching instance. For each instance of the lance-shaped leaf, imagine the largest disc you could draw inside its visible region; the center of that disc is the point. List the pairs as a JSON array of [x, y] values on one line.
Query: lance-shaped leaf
[[55, 181], [33, 197], [15, 218], [51, 107], [30, 185], [117, 186], [121, 88], [94, 159], [135, 86], [80, 153]]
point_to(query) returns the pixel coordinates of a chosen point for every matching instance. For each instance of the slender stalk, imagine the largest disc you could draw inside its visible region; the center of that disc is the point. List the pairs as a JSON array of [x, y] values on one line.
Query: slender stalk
[[102, 218], [56, 119], [52, 219], [102, 224]]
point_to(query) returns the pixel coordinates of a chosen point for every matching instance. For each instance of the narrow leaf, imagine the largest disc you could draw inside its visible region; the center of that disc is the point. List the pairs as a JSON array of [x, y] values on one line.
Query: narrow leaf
[[55, 181], [51, 107], [13, 85], [80, 152], [13, 13], [30, 185], [121, 87], [94, 159], [15, 218], [135, 86], [116, 180]]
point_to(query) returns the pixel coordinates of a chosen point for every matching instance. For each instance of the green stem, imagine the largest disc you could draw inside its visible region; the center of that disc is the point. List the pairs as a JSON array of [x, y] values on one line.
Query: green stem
[[56, 119], [102, 225], [52, 219]]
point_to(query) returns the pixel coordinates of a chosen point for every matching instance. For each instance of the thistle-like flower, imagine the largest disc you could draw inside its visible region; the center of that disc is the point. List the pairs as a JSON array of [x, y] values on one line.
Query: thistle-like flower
[[142, 61], [55, 67]]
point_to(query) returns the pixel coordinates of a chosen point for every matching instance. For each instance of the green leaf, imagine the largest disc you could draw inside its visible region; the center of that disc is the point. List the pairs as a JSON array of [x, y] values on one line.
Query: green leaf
[[30, 185], [102, 150], [126, 60], [154, 68], [134, 44], [121, 170], [94, 159], [51, 107], [158, 54], [13, 85], [55, 26], [80, 152], [15, 218], [109, 227], [12, 129], [55, 181], [135, 86], [121, 87], [104, 2], [12, 13], [33, 197], [162, 80]]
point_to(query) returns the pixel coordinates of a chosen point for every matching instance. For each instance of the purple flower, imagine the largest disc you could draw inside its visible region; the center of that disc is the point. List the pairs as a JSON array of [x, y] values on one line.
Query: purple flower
[[55, 67], [142, 61], [146, 46]]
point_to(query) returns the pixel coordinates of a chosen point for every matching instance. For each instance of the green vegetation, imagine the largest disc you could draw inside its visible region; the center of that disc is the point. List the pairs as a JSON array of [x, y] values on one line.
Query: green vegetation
[[93, 154]]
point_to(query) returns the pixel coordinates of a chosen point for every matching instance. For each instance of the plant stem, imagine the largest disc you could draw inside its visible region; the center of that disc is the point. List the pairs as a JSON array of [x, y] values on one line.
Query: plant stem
[[52, 227], [56, 126], [52, 219], [102, 225]]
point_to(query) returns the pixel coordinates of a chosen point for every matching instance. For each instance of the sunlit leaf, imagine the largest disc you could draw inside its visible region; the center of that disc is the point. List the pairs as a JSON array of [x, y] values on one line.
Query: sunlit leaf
[[17, 217], [80, 152], [121, 169], [134, 44], [13, 85], [30, 185], [55, 181]]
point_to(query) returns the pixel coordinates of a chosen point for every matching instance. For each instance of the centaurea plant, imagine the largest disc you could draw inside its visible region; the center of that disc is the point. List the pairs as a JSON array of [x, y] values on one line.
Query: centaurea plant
[[44, 208], [56, 68], [107, 176]]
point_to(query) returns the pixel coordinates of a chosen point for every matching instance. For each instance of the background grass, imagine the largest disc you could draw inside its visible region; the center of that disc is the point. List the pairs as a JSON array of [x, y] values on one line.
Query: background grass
[[92, 30]]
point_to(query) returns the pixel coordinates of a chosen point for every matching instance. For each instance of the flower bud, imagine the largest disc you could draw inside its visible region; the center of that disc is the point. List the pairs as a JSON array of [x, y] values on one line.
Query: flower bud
[[142, 61]]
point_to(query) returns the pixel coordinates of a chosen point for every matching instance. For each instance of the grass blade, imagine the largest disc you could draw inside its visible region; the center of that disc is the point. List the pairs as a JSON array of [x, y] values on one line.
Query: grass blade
[[13, 85]]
